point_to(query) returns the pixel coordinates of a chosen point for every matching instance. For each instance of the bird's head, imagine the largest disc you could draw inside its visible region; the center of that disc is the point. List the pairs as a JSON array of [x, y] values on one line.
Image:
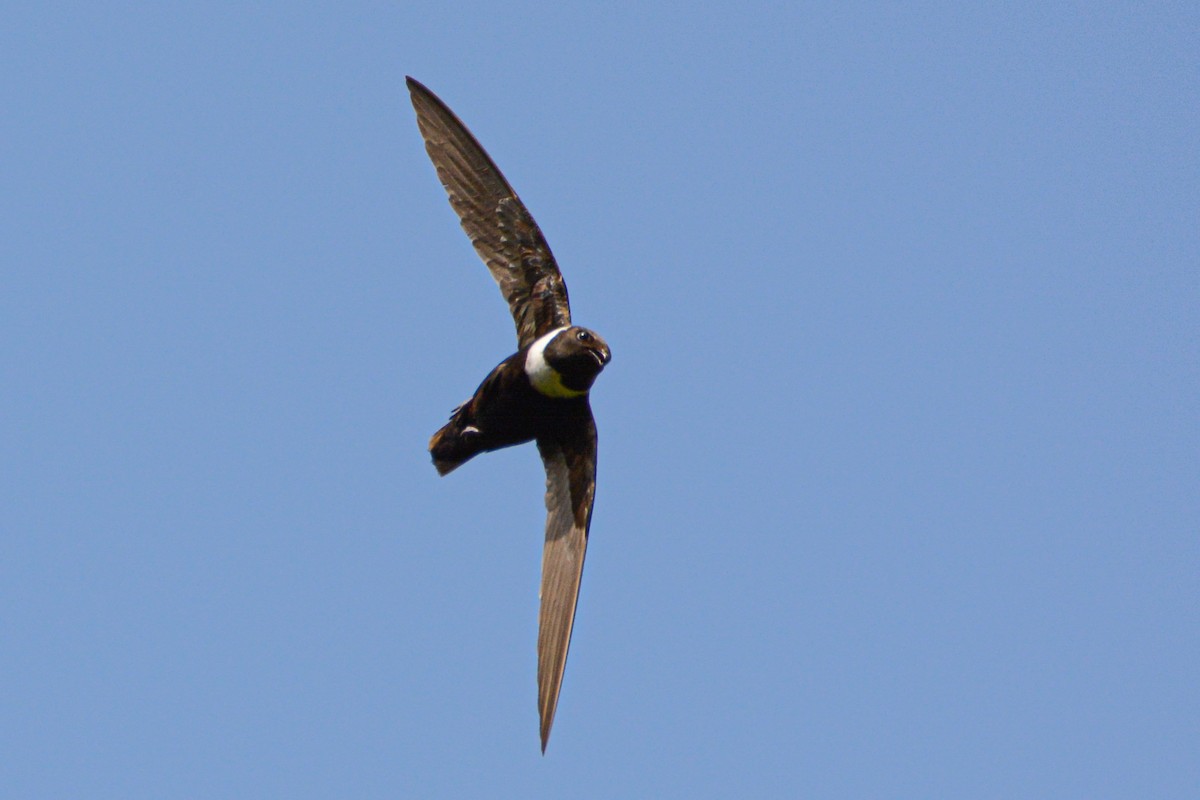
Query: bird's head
[[565, 362]]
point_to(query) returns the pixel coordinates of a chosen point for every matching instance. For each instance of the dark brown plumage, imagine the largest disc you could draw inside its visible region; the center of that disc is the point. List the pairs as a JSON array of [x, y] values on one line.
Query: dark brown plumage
[[540, 393], [495, 220]]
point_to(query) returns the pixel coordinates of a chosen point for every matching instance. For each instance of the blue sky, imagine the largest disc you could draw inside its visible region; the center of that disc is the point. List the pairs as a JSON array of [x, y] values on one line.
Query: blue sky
[[899, 447]]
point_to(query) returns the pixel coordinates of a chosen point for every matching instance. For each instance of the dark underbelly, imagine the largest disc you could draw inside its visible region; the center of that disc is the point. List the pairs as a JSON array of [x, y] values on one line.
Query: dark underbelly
[[504, 424]]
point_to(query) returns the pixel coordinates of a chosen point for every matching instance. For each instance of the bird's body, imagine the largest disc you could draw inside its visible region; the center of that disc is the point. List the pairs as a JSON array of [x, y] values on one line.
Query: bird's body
[[540, 393], [525, 398]]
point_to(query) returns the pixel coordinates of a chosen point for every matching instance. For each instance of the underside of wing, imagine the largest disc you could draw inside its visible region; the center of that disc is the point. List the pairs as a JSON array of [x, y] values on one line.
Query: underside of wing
[[497, 222], [570, 463]]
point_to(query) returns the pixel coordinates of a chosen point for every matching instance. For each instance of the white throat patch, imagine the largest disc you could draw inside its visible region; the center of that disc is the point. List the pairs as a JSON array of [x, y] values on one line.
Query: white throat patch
[[544, 378]]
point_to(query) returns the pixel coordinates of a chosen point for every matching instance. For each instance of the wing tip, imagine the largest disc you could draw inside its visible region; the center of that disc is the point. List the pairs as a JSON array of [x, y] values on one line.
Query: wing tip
[[547, 723], [418, 92]]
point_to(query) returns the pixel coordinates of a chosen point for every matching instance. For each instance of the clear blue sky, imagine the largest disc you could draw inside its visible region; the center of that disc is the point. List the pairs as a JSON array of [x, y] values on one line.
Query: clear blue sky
[[899, 447]]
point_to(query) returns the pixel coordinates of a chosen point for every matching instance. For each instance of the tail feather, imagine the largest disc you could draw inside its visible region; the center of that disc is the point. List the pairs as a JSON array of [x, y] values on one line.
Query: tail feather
[[453, 445]]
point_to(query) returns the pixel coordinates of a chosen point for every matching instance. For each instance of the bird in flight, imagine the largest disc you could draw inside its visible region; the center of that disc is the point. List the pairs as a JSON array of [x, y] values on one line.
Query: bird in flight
[[538, 394]]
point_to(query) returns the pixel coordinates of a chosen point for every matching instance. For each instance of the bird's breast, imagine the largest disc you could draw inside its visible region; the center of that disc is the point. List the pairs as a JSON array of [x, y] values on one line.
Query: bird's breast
[[543, 377]]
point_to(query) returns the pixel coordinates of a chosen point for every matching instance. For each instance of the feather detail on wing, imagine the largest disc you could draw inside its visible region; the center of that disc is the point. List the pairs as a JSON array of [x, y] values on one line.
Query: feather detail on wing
[[500, 227], [570, 463]]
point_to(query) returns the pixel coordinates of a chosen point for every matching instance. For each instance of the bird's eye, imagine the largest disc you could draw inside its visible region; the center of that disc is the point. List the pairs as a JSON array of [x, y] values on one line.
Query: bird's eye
[[583, 336]]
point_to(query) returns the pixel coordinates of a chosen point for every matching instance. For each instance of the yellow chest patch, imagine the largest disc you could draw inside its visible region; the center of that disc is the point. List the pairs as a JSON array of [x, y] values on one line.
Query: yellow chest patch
[[551, 385]]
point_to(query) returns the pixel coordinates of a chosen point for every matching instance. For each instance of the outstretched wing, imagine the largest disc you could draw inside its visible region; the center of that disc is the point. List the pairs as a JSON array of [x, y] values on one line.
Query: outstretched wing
[[570, 461], [495, 219]]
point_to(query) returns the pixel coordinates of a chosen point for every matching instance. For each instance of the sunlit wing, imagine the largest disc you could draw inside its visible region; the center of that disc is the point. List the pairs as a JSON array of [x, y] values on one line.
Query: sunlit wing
[[500, 227], [570, 491]]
